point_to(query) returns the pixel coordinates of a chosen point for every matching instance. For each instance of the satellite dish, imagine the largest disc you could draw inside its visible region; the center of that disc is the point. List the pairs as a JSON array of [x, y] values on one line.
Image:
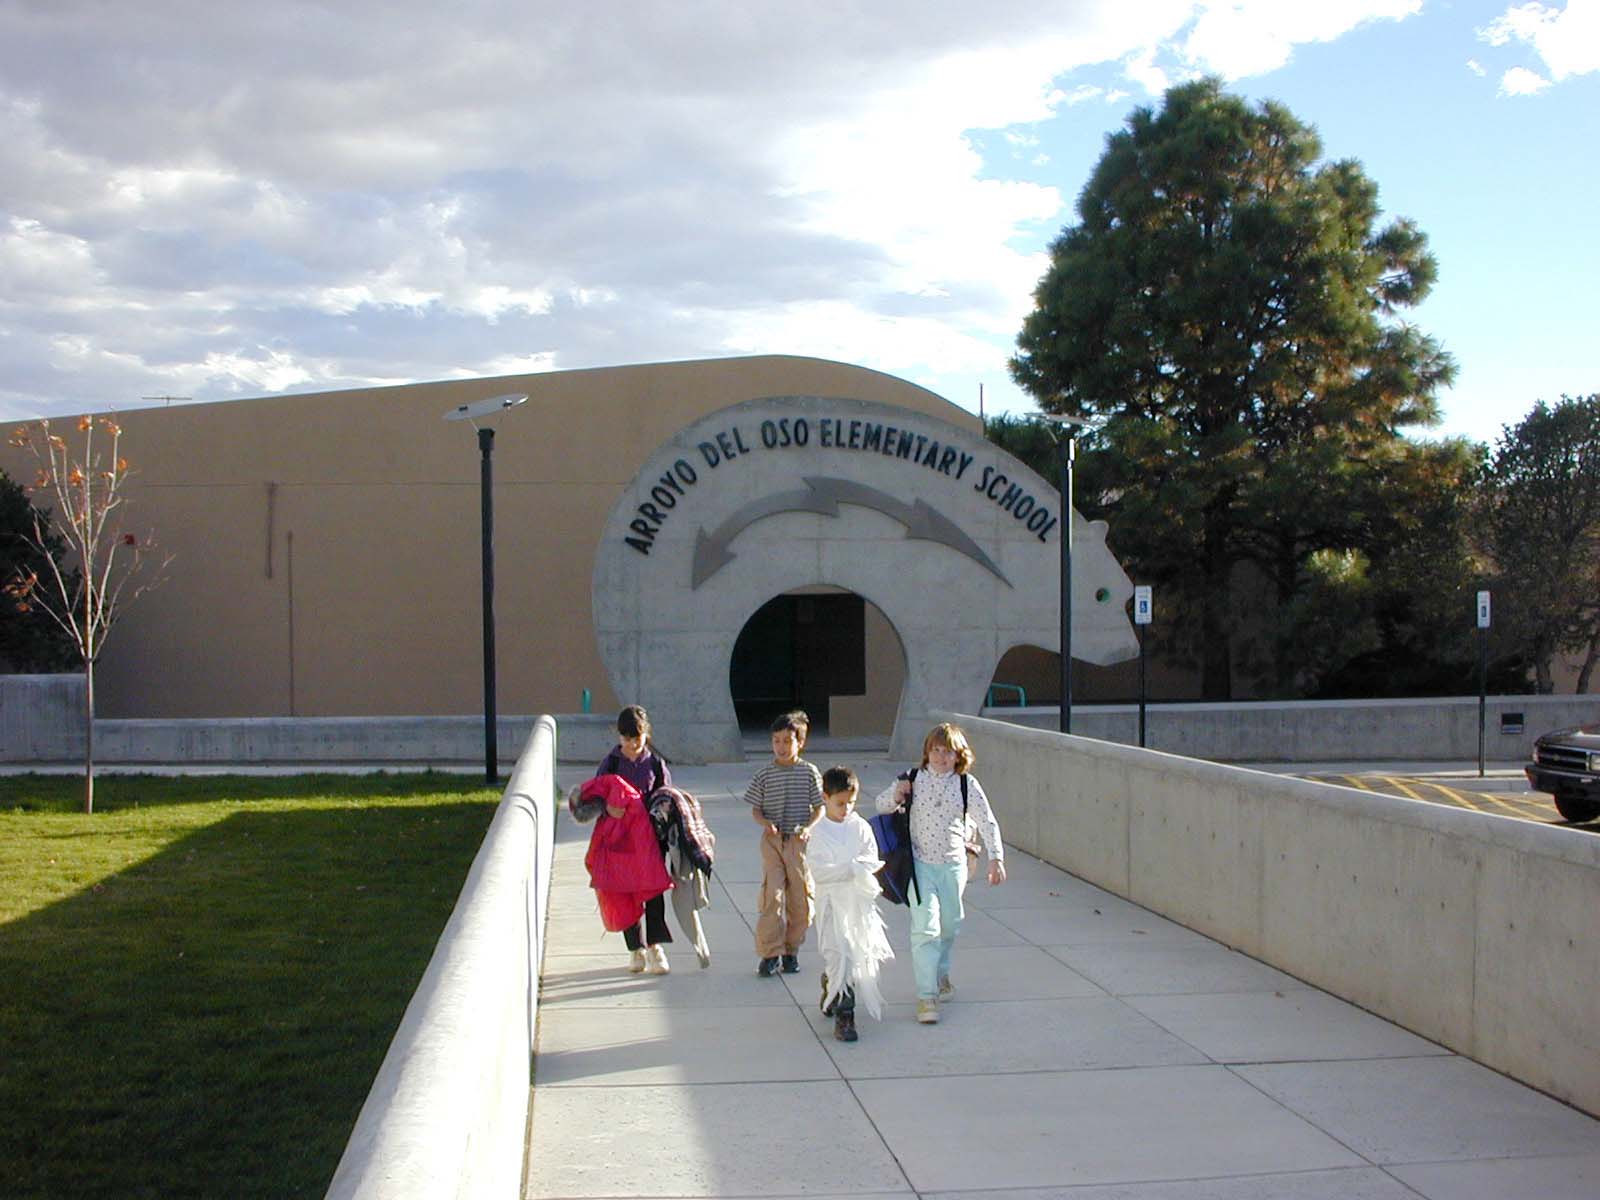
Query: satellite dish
[[487, 407]]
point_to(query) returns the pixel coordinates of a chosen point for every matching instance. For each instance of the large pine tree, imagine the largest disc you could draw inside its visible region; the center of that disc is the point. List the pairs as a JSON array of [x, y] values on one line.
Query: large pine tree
[[1226, 304]]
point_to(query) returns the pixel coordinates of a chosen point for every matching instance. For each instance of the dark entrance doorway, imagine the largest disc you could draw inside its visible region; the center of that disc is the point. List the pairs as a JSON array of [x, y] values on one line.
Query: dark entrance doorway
[[797, 651]]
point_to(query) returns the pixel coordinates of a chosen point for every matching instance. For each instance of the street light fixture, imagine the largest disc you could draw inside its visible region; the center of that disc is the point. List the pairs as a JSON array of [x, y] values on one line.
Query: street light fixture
[[1068, 441], [472, 413]]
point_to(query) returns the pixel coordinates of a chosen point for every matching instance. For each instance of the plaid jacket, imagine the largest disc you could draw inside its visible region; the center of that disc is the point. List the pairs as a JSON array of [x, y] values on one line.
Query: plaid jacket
[[675, 809]]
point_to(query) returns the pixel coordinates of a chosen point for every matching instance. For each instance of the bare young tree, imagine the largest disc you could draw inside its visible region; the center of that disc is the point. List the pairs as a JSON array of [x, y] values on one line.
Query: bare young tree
[[87, 488]]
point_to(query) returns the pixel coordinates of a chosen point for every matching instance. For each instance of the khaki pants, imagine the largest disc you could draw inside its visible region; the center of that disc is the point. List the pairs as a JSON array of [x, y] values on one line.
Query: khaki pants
[[785, 895]]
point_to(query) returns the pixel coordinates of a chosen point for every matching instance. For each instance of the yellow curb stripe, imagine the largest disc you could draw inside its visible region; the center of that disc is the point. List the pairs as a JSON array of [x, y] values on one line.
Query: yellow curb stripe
[[1400, 786], [1462, 801], [1460, 798], [1512, 807]]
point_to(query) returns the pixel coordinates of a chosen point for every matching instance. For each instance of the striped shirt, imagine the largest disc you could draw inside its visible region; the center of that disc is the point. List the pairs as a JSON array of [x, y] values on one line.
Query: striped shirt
[[786, 795]]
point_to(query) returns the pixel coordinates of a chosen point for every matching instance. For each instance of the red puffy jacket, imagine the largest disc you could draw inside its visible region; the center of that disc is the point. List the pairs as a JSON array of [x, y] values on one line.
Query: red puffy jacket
[[624, 859]]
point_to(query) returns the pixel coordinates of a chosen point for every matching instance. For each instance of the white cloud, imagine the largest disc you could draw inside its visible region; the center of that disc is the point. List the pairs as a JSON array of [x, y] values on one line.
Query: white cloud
[[1140, 67], [1567, 40], [1519, 81], [1237, 38], [262, 370], [231, 199], [1476, 68], [512, 364]]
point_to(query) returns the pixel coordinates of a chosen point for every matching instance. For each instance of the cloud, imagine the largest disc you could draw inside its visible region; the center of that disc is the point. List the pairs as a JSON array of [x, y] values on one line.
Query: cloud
[[220, 200], [1238, 38], [1519, 81], [1566, 40]]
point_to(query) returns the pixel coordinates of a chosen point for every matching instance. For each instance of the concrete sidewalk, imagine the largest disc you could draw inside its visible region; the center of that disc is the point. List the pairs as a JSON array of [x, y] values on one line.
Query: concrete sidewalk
[[1093, 1051]]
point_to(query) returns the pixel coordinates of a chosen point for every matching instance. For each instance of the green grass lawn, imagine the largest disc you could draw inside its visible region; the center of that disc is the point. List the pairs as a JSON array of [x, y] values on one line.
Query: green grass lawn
[[198, 982]]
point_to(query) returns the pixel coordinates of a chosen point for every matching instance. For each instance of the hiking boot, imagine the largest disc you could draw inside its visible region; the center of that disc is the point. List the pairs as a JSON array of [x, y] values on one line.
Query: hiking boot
[[768, 968], [636, 961], [827, 1009], [791, 964], [657, 963], [844, 1027], [927, 1012], [946, 988]]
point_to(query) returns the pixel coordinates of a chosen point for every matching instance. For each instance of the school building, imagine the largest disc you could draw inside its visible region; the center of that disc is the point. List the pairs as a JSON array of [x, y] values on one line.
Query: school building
[[718, 540]]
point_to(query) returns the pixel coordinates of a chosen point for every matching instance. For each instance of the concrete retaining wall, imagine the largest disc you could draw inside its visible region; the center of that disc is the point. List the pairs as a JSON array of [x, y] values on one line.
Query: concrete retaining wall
[[41, 718], [41, 721], [1442, 729], [447, 1114], [1479, 932]]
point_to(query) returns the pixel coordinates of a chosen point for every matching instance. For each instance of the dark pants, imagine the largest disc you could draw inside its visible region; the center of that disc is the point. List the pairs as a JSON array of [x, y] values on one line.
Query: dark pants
[[847, 1003], [654, 922]]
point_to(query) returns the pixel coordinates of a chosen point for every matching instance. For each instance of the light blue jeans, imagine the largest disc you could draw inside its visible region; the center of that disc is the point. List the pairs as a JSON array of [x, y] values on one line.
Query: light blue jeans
[[935, 921]]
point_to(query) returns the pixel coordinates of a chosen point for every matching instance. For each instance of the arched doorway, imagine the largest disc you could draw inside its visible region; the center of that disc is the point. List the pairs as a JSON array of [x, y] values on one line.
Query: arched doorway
[[826, 650], [952, 538]]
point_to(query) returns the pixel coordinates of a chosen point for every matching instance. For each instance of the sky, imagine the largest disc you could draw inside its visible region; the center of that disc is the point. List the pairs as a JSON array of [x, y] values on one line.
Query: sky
[[203, 201]]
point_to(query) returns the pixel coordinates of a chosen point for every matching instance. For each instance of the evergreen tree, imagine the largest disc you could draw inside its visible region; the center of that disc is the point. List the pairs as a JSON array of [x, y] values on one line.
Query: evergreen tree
[[30, 642], [1226, 306], [1541, 532]]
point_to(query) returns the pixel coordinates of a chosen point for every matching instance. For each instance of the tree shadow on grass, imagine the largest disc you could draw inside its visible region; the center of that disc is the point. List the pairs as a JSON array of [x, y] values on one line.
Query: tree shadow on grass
[[208, 1022]]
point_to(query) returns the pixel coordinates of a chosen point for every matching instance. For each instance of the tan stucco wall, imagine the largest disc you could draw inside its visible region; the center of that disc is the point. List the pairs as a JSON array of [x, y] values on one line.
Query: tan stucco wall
[[375, 521]]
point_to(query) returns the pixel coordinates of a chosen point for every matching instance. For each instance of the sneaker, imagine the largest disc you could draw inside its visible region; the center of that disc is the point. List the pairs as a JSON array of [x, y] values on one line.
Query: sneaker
[[657, 964], [927, 1012], [791, 964], [768, 968], [844, 1027], [636, 961], [827, 1009], [946, 988]]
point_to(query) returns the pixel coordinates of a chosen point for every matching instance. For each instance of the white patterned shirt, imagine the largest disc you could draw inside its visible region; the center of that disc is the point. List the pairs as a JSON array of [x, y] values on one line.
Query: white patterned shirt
[[938, 834]]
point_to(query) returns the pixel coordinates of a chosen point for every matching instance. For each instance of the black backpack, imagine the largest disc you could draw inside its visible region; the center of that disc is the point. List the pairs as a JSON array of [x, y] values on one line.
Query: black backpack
[[892, 830]]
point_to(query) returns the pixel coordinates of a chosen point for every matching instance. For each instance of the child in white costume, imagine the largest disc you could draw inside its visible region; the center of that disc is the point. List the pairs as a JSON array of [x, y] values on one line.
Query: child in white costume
[[843, 856]]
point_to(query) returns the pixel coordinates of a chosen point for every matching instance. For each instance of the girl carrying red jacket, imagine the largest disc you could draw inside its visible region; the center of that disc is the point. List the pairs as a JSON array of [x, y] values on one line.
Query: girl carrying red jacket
[[624, 858]]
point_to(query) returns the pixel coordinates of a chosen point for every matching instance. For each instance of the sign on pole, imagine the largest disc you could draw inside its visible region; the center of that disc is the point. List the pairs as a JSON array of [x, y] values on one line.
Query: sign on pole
[[1141, 605], [1483, 672]]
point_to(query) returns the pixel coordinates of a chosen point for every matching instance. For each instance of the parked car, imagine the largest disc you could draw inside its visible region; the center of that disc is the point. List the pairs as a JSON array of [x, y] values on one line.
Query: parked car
[[1566, 763]]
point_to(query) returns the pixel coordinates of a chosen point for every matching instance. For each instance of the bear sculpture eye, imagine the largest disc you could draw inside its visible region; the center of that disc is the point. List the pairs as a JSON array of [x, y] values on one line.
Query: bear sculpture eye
[[1102, 595]]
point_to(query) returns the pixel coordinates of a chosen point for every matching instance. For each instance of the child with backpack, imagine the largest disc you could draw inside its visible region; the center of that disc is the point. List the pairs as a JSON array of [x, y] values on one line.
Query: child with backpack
[[843, 856], [941, 795]]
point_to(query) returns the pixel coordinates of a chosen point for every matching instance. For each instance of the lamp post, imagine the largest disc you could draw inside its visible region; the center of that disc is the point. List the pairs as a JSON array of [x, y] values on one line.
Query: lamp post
[[1068, 442], [471, 413]]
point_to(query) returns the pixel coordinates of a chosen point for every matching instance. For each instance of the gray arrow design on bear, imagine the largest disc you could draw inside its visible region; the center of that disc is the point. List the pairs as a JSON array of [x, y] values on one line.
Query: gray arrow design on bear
[[822, 496]]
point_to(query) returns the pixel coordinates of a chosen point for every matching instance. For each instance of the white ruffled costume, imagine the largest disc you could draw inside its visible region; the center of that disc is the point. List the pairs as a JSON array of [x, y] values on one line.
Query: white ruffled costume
[[843, 857]]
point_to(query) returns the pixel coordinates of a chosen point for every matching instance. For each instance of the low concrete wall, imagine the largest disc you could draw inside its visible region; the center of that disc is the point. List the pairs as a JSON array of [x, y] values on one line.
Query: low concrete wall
[[447, 1114], [43, 722], [1476, 931], [41, 718], [1324, 730]]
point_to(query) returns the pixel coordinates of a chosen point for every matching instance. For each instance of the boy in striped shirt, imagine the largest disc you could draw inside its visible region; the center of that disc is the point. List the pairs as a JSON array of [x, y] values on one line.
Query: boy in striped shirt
[[785, 798]]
